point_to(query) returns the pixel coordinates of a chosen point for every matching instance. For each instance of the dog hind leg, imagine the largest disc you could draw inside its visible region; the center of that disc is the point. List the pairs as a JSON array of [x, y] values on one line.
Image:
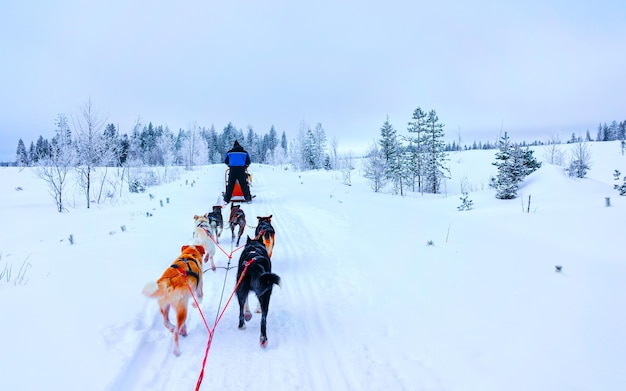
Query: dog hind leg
[[242, 297], [246, 311], [264, 300], [165, 311], [181, 327], [241, 228]]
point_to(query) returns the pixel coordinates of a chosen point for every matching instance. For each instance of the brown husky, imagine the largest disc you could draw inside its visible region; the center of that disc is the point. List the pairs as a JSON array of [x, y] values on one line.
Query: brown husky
[[173, 289]]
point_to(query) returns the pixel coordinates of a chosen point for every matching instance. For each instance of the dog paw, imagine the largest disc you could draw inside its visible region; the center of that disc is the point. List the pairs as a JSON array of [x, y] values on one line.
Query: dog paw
[[247, 316], [263, 342]]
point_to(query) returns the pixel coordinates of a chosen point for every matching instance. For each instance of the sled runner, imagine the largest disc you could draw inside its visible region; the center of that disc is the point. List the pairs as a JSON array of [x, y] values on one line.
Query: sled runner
[[237, 195]]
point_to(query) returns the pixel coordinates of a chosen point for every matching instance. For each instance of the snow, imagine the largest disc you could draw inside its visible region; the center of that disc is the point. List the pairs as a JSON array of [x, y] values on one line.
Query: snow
[[366, 303]]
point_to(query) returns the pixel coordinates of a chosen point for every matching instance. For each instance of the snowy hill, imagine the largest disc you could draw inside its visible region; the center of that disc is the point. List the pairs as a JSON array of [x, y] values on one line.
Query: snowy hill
[[379, 291]]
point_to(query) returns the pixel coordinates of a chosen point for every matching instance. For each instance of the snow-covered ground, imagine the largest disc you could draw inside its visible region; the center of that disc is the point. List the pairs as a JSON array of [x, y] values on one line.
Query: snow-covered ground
[[366, 303]]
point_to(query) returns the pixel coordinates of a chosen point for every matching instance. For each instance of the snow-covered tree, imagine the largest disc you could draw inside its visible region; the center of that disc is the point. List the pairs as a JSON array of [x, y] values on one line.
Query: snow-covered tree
[[514, 164], [416, 139], [388, 141], [552, 152], [54, 167], [580, 161], [21, 155], [505, 182], [90, 146], [374, 168], [434, 168]]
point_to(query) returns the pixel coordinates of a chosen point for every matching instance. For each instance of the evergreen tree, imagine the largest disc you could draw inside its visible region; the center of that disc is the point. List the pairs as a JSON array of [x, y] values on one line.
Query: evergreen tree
[[272, 139], [388, 141], [514, 164], [580, 161], [123, 151], [396, 167], [32, 153], [600, 135], [505, 182], [212, 146], [309, 152], [417, 127], [621, 131], [112, 144], [42, 149], [435, 156], [21, 155], [319, 138]]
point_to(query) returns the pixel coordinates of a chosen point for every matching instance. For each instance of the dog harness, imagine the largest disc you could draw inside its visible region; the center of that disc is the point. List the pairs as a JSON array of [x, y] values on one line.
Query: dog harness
[[189, 272], [205, 228]]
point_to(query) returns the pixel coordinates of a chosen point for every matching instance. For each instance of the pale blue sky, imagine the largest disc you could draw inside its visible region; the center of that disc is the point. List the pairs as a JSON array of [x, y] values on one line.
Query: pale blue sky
[[531, 68]]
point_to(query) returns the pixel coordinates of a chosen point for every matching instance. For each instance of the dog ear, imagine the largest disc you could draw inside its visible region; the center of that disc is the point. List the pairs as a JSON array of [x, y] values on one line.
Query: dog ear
[[195, 217], [200, 249], [185, 247], [269, 218]]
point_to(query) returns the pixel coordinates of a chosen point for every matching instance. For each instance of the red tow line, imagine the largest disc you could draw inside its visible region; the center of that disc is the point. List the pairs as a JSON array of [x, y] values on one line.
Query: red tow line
[[211, 331]]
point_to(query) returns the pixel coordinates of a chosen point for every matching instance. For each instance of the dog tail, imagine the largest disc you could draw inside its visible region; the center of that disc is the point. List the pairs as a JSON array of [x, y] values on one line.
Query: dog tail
[[152, 290], [268, 279]]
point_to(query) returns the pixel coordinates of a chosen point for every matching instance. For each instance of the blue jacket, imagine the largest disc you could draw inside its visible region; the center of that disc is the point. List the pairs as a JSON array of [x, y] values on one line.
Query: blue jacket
[[237, 157]]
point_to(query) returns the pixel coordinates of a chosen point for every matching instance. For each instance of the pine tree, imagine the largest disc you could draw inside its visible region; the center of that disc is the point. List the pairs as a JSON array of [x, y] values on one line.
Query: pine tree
[[505, 182], [580, 162], [416, 146], [435, 156], [319, 136], [272, 139], [388, 141], [21, 156]]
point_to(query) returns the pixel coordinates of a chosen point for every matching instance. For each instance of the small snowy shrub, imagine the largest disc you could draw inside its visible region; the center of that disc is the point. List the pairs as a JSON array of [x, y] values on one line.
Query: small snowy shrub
[[466, 204], [620, 188], [136, 186]]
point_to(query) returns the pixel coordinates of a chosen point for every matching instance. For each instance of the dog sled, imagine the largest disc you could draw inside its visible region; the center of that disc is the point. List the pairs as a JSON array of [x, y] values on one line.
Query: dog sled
[[237, 195]]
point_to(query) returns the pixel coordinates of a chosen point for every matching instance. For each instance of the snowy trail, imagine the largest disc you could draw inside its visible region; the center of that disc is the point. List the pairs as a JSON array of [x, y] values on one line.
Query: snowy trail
[[306, 329], [323, 279], [303, 350]]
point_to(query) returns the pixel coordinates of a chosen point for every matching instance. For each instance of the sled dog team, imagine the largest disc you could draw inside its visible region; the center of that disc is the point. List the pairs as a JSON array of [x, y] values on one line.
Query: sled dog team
[[184, 276]]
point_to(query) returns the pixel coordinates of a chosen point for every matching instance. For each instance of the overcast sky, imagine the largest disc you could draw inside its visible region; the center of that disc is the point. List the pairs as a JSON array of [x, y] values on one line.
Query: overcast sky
[[528, 67]]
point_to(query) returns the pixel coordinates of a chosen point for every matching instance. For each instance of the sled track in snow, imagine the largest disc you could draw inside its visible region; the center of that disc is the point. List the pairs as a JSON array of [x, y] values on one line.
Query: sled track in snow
[[306, 347]]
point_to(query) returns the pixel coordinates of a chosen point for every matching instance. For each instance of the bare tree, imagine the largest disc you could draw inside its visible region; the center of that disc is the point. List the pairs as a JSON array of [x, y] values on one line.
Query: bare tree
[[552, 152], [90, 144], [53, 168], [333, 153], [195, 147], [375, 168]]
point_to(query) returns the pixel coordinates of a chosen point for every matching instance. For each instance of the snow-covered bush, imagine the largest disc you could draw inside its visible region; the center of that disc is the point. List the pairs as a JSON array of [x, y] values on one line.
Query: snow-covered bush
[[620, 188], [466, 204]]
